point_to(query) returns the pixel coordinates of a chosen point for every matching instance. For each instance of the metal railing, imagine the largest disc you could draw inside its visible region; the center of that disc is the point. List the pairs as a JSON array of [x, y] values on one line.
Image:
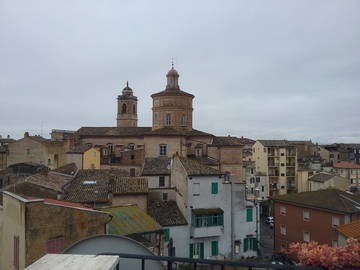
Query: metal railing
[[172, 261]]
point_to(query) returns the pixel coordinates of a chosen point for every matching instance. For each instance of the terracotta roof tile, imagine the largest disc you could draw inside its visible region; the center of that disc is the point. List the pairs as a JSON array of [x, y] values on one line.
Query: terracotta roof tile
[[346, 165], [157, 166], [113, 131], [231, 141], [166, 213], [351, 230], [332, 200], [68, 169], [194, 167]]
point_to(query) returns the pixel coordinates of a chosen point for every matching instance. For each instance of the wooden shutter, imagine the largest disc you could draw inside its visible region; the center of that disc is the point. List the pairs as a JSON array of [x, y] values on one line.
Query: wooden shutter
[[16, 252], [214, 248], [249, 214], [246, 244], [255, 244], [214, 188], [202, 250], [191, 250], [166, 234]]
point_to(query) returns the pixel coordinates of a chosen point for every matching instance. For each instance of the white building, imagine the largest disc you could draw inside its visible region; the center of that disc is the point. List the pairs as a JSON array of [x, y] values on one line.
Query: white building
[[220, 223]]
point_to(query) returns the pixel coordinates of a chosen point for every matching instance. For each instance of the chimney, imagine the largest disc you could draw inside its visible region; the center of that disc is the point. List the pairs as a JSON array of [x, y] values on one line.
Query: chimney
[[8, 136], [26, 134]]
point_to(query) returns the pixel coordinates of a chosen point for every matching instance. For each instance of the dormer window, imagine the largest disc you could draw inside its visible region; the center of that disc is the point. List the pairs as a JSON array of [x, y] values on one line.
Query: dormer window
[[168, 119]]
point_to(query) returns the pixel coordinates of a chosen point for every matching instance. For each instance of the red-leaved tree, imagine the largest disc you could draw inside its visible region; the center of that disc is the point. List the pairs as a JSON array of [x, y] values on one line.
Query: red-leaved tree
[[313, 254]]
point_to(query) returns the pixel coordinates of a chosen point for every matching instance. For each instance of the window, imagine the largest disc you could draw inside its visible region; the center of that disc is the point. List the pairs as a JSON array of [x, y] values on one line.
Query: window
[[134, 109], [110, 146], [347, 219], [306, 215], [257, 179], [262, 189], [282, 154], [16, 252], [165, 196], [132, 172], [1, 183], [214, 248], [183, 120], [283, 247], [105, 152], [196, 250], [214, 188], [264, 150], [196, 189], [123, 110], [132, 157], [282, 164], [237, 246], [131, 146], [161, 181], [162, 149], [208, 220], [55, 245], [168, 119], [283, 229], [92, 166], [28, 151], [335, 243], [166, 234], [94, 154], [283, 210], [249, 214], [250, 244], [335, 221], [306, 236], [283, 174], [49, 161]]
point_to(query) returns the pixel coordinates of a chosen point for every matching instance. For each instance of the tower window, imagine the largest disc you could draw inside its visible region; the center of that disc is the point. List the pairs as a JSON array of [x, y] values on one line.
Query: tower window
[[183, 120], [123, 110], [168, 119], [134, 109], [162, 148]]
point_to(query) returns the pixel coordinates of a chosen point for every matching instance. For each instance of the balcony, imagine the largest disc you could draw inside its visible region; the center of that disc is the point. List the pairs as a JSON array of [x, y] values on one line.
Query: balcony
[[200, 232], [291, 152]]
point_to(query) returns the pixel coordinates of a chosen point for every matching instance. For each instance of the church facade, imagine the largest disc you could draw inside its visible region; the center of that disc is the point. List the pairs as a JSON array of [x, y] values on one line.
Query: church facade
[[127, 145]]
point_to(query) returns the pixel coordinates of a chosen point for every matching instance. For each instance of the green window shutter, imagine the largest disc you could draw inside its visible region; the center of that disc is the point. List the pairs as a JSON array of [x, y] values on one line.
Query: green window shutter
[[246, 244], [221, 219], [214, 188], [249, 214], [166, 234], [191, 250], [202, 250], [255, 244], [214, 248]]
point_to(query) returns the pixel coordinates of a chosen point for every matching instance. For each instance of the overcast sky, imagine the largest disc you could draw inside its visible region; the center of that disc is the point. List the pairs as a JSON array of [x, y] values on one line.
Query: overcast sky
[[260, 69]]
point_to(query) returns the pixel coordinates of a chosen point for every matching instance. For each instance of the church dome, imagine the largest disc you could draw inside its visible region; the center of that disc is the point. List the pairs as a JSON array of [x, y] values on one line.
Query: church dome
[[127, 90], [172, 73]]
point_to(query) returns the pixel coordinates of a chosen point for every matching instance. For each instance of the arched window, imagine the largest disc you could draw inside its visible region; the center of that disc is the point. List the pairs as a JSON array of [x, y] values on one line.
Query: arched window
[[168, 119], [134, 109], [123, 110], [183, 120]]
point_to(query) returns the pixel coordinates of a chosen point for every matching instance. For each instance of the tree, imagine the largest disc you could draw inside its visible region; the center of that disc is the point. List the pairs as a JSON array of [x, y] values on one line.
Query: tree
[[313, 254]]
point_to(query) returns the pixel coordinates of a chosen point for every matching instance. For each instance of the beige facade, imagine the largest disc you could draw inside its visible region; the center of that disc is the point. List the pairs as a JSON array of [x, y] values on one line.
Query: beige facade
[[36, 149], [127, 108], [278, 160], [302, 179]]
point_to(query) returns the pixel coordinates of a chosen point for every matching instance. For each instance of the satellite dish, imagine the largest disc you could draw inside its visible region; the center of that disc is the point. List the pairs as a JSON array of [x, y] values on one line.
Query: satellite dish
[[108, 243]]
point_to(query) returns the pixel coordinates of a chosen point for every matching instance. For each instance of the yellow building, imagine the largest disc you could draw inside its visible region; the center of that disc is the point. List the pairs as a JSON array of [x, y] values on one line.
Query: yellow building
[[278, 160], [85, 157]]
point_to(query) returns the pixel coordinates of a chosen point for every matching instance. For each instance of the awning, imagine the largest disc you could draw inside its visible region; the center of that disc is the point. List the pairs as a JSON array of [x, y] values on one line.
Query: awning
[[207, 211]]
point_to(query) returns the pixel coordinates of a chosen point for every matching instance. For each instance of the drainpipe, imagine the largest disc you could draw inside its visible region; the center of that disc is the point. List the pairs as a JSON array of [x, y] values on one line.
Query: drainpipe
[[232, 217]]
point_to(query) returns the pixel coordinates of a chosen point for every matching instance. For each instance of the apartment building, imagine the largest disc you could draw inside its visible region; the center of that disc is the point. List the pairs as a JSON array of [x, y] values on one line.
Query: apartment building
[[277, 159], [312, 216]]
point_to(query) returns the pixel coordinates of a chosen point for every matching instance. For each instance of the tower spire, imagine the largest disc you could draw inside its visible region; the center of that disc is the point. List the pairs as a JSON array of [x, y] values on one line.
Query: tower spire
[[172, 62]]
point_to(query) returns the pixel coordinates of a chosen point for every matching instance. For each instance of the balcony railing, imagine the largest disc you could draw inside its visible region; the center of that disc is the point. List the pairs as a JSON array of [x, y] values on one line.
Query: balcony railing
[[208, 231], [173, 263]]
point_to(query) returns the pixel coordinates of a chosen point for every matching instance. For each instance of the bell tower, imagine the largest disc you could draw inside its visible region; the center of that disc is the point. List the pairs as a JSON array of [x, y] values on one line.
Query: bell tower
[[127, 108]]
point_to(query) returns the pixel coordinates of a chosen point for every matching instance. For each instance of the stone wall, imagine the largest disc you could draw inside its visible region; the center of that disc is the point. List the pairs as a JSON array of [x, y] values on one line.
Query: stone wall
[[44, 222]]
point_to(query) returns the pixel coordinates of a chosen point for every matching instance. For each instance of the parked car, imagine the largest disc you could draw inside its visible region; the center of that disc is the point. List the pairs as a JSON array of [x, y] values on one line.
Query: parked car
[[271, 225]]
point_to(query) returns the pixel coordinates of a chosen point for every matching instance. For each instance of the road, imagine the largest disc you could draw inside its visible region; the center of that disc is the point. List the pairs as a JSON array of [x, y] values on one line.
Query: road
[[266, 240]]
